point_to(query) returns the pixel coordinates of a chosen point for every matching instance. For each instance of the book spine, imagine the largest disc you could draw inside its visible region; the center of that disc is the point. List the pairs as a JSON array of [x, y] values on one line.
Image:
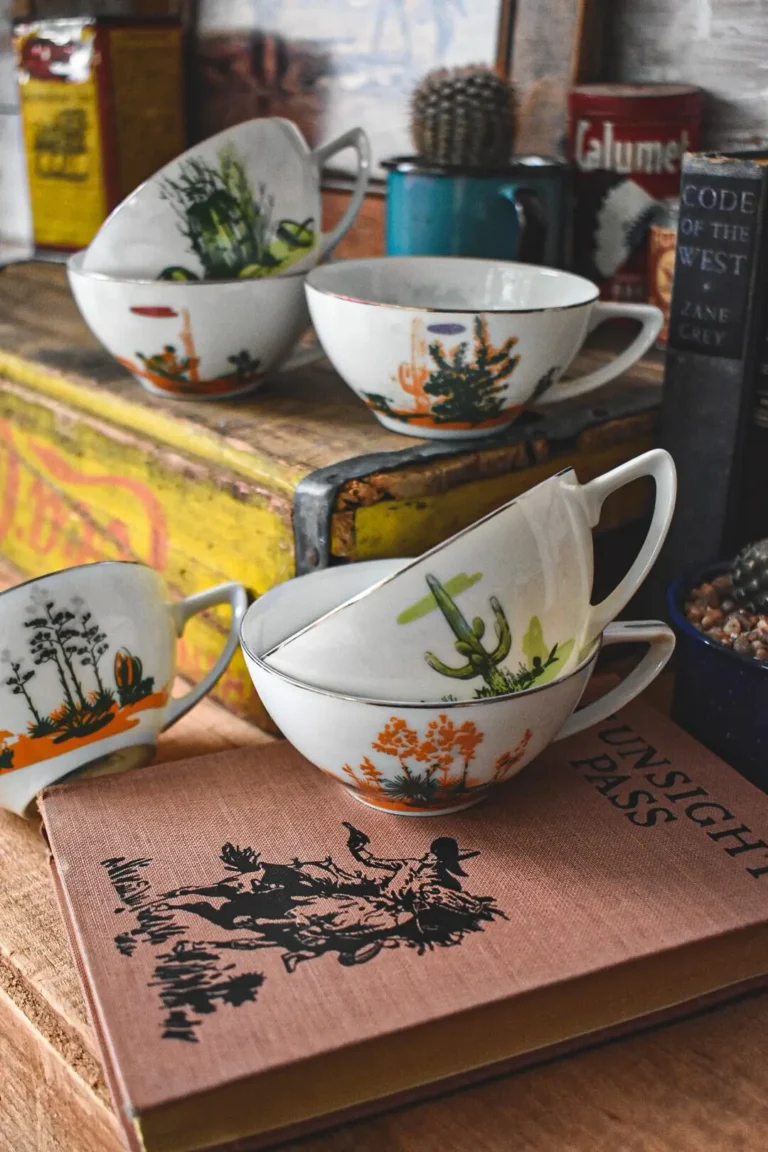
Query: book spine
[[717, 305], [749, 510]]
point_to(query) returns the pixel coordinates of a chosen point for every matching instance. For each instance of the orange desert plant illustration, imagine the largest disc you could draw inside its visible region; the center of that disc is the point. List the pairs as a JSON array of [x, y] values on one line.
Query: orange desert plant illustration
[[433, 770]]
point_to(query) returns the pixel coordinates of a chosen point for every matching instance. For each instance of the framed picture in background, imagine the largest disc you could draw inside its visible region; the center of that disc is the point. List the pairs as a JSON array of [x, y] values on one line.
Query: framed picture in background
[[334, 64]]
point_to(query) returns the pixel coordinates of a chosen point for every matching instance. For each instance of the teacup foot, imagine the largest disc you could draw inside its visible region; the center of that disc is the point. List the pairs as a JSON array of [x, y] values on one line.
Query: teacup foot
[[397, 809], [127, 751], [413, 429], [202, 393], [124, 760]]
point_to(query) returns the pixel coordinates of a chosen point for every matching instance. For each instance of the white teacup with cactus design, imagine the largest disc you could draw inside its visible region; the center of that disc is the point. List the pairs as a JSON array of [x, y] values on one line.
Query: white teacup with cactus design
[[423, 759], [242, 204], [87, 661], [501, 607], [453, 348]]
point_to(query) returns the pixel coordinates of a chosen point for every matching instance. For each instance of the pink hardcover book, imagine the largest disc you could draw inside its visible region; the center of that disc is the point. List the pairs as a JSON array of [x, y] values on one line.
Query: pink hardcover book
[[263, 956]]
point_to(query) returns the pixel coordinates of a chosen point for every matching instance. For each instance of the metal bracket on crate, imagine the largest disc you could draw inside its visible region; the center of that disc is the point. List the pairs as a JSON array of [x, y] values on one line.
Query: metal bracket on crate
[[316, 494]]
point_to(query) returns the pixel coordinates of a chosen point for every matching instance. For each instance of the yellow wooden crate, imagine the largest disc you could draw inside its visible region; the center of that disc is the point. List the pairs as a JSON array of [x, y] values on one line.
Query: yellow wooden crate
[[301, 476]]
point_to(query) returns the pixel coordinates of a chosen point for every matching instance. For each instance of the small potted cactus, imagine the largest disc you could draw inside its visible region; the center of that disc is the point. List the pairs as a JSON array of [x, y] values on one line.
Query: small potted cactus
[[720, 614], [463, 193]]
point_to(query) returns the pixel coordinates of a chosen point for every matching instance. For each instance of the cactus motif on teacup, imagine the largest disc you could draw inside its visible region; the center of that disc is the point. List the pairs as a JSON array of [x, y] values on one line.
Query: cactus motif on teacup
[[176, 367], [457, 379], [229, 224], [484, 660]]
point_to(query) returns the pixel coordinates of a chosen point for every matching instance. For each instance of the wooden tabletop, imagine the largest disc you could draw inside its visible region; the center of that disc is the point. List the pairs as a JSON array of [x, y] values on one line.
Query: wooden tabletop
[[304, 420], [696, 1086]]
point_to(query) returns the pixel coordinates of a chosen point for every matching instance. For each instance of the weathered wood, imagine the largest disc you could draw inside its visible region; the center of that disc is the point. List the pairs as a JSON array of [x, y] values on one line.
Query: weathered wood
[[302, 421], [296, 423], [556, 45], [720, 46], [423, 521], [45, 1104]]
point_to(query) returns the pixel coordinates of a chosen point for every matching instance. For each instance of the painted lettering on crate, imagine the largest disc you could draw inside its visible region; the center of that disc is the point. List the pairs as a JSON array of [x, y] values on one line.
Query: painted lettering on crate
[[48, 523]]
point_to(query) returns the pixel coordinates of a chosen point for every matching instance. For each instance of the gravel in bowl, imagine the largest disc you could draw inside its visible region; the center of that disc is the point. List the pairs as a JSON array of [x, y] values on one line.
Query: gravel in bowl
[[711, 608]]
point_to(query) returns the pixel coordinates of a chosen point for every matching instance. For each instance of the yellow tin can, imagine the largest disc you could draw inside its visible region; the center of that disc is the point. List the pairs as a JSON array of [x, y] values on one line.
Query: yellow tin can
[[102, 106]]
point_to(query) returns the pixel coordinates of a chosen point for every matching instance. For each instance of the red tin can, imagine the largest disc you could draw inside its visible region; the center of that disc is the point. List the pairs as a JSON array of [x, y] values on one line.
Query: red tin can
[[626, 143]]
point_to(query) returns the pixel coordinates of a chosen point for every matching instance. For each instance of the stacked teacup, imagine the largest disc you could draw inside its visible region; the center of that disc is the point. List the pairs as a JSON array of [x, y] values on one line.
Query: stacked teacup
[[195, 283], [421, 684]]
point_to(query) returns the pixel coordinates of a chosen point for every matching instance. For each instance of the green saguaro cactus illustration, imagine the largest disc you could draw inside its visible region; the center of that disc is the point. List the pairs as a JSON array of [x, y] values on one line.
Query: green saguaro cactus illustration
[[480, 662]]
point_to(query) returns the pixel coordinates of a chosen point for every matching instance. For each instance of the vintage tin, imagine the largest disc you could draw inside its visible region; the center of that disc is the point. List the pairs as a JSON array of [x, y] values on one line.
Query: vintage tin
[[662, 241], [626, 142], [102, 106]]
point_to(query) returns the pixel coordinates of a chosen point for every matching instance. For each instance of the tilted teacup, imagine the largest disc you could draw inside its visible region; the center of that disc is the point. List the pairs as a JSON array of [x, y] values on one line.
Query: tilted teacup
[[432, 758], [87, 662], [243, 203], [205, 340], [501, 606], [446, 347]]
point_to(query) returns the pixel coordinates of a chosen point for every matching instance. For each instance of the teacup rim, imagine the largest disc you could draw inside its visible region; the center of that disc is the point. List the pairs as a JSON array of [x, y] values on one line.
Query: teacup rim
[[526, 693], [414, 560], [333, 268], [75, 568], [75, 269]]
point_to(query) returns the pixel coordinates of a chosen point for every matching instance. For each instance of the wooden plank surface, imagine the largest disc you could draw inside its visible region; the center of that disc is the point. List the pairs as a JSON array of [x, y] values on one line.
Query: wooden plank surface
[[296, 423], [696, 1086], [257, 449], [304, 420]]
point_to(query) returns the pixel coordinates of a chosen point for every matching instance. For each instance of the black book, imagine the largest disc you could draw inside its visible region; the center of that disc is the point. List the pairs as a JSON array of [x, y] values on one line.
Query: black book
[[715, 406]]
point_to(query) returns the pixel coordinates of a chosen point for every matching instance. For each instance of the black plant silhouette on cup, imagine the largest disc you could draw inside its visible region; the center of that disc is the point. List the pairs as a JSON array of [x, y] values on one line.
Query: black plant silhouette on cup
[[73, 643]]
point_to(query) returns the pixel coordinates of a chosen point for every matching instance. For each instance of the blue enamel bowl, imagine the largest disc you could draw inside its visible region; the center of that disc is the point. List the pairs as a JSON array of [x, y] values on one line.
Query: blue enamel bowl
[[720, 696]]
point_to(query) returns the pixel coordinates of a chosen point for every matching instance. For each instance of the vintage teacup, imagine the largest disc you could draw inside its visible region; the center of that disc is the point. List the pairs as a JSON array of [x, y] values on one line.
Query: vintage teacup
[[243, 203], [501, 606], [433, 758], [87, 662], [450, 348], [200, 340]]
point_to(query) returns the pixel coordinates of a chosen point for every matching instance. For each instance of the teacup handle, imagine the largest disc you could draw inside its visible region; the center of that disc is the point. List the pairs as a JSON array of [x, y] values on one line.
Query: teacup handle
[[661, 641], [357, 139], [651, 319], [532, 223], [661, 467], [232, 594]]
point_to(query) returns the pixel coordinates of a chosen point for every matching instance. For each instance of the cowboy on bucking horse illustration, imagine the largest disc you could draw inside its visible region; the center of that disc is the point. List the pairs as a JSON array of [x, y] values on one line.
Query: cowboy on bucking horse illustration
[[312, 907], [304, 908]]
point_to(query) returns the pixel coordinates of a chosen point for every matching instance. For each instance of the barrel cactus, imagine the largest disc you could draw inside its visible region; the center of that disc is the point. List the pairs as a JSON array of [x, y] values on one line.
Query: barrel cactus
[[132, 686], [464, 118], [750, 578]]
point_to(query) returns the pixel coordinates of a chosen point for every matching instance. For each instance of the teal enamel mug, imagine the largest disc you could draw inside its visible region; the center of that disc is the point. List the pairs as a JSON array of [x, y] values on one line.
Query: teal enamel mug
[[516, 213]]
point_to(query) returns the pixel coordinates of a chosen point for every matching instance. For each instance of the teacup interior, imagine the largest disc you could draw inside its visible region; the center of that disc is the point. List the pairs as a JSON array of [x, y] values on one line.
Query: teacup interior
[[293, 605], [290, 606], [451, 284]]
